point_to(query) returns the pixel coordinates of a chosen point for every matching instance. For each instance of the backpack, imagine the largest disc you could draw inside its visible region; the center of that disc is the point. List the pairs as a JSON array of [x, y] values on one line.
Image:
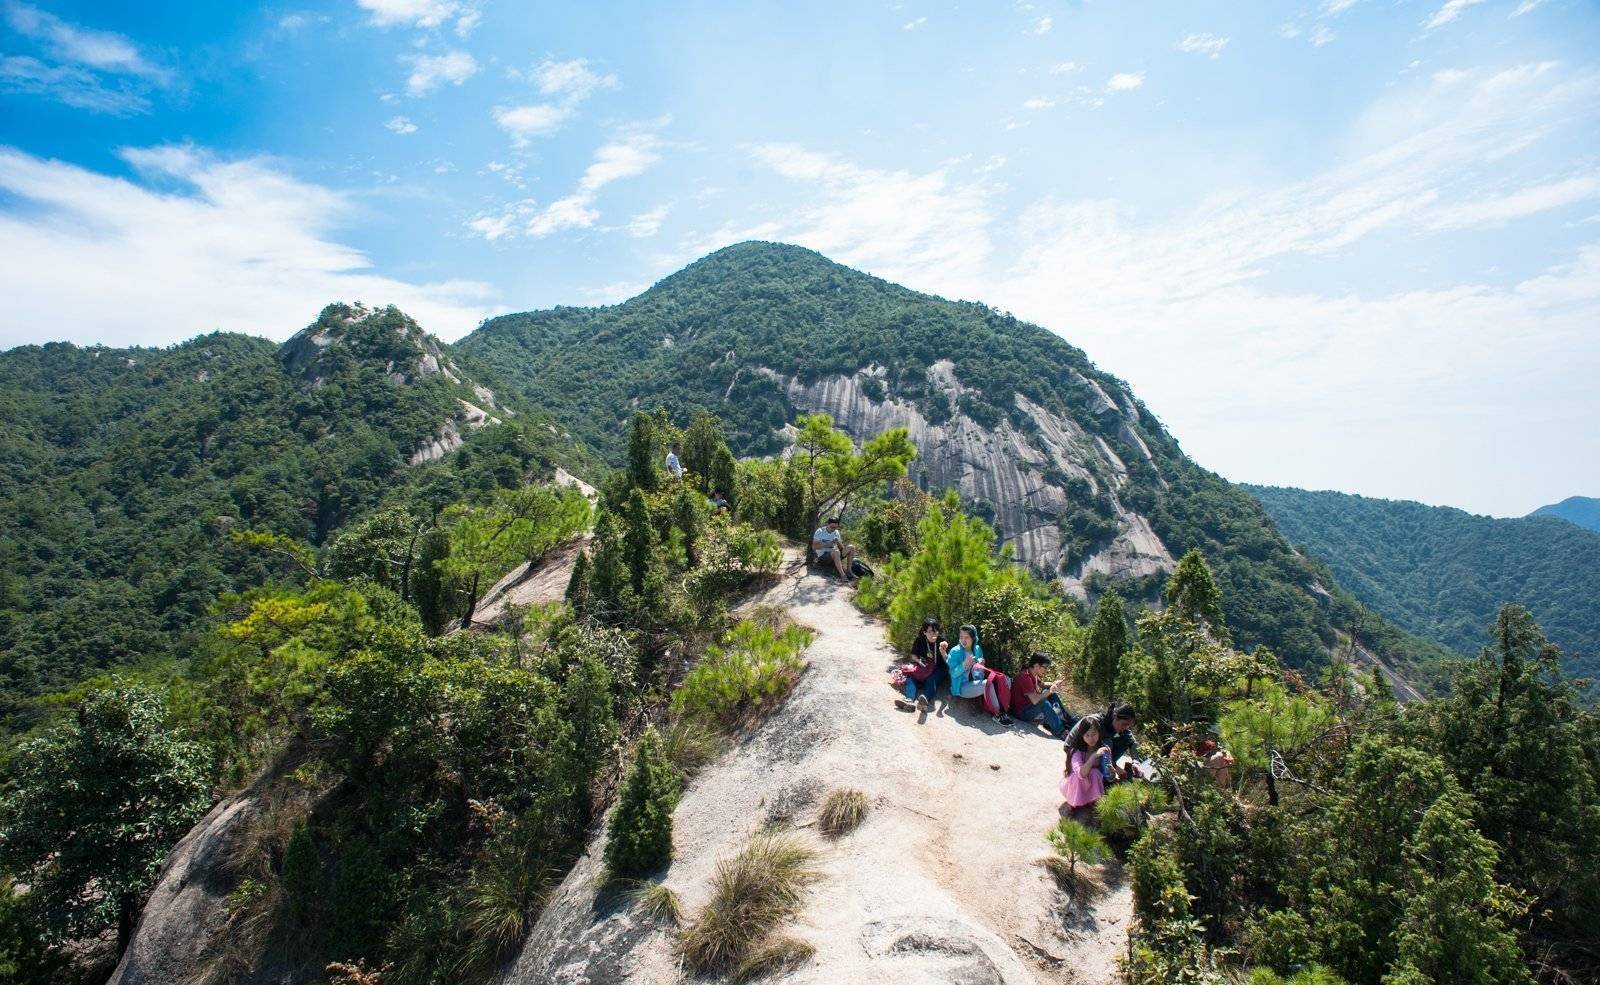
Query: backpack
[[860, 568]]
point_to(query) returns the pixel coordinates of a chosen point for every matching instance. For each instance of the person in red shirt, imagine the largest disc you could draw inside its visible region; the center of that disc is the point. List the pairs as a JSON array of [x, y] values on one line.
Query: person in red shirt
[[1033, 699]]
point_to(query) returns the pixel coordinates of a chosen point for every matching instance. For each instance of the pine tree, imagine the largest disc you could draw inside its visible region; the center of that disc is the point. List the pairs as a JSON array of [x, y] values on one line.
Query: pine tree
[[723, 476], [640, 840], [429, 585], [1193, 595], [700, 444], [578, 587], [638, 538], [1453, 925], [1108, 640], [608, 576], [687, 519], [643, 471]]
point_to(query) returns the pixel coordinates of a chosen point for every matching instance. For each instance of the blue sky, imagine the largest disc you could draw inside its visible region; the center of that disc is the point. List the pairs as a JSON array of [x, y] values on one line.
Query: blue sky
[[1349, 244]]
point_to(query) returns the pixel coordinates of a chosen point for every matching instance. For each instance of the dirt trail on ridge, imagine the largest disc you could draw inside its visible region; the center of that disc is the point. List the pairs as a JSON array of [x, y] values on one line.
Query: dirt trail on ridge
[[938, 884]]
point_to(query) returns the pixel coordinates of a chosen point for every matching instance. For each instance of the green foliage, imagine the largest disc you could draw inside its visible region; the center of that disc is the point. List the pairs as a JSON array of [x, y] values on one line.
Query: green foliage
[[1074, 843], [640, 837], [754, 668], [1193, 596], [301, 874], [1443, 573], [832, 471], [1101, 666], [1126, 808], [945, 577], [429, 583], [92, 808], [644, 469], [379, 546]]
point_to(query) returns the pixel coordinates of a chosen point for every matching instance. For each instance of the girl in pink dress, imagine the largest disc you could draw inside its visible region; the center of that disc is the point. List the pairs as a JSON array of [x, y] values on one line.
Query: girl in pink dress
[[1081, 782]]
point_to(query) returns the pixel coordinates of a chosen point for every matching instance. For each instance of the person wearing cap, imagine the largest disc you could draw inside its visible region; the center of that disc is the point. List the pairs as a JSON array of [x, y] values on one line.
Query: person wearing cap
[[1034, 699], [1115, 726], [923, 672], [829, 545]]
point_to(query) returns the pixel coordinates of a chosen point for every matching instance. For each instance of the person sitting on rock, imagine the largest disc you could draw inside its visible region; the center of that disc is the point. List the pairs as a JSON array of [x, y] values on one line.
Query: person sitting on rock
[[923, 672], [971, 678], [1034, 699], [1217, 760], [1088, 760], [831, 548], [718, 501], [1114, 726]]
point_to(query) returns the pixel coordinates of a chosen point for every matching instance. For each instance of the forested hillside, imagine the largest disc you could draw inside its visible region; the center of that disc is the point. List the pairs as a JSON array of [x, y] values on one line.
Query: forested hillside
[[1071, 465], [1581, 510], [1443, 573], [123, 471]]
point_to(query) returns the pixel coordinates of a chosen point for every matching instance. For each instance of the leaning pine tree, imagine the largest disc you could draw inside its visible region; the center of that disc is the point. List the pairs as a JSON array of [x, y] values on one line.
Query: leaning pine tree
[[641, 829]]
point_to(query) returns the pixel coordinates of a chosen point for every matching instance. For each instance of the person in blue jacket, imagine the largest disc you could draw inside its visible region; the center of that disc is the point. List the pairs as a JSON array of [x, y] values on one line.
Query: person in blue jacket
[[970, 678]]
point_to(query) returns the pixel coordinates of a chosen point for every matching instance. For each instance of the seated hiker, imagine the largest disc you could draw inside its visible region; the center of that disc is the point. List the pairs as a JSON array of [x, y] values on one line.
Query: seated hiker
[[1217, 760], [831, 548], [1083, 777], [673, 465], [718, 501], [971, 678], [923, 672], [1034, 699], [1114, 725]]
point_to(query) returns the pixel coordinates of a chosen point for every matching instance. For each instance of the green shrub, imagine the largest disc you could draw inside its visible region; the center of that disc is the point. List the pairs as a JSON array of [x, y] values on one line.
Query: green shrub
[[641, 828], [359, 900], [301, 876], [1122, 812], [505, 893], [752, 894], [752, 670], [1074, 843], [842, 812]]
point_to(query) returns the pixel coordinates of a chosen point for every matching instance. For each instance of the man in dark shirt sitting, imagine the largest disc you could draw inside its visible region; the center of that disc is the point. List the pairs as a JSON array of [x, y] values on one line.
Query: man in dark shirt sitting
[[1115, 725]]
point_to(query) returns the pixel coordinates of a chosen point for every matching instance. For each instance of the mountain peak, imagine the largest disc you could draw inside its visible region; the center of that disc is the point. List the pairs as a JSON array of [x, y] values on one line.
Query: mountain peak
[[1581, 510], [379, 335]]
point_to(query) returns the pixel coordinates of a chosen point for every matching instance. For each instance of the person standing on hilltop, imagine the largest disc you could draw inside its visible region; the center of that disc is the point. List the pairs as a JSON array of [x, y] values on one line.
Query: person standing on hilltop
[[674, 467]]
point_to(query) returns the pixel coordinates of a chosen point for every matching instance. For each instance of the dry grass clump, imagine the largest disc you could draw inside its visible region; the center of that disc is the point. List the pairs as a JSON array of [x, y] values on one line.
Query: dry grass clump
[[777, 953], [657, 901], [842, 812], [689, 745], [753, 893]]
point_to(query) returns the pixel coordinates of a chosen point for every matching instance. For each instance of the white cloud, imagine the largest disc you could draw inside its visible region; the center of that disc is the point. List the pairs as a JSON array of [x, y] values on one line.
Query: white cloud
[[647, 224], [415, 13], [1323, 35], [1449, 12], [1124, 81], [628, 155], [68, 84], [912, 25], [1062, 68], [571, 78], [468, 22], [524, 123], [1289, 31], [241, 246], [1039, 102], [1043, 25], [429, 72], [1332, 8], [1526, 6], [1498, 210], [1210, 45], [99, 50], [293, 22], [401, 125]]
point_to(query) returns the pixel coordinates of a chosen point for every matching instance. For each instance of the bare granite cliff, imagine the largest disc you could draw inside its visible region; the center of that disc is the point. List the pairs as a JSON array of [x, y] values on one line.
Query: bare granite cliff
[[1020, 474]]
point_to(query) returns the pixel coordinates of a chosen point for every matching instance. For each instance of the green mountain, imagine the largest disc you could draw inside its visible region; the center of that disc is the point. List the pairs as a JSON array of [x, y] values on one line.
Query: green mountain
[[1582, 510], [1443, 573], [124, 470], [1080, 478]]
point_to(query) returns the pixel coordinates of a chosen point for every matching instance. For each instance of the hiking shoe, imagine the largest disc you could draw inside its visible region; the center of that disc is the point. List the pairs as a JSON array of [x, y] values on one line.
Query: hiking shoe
[[905, 705], [1002, 719], [922, 702]]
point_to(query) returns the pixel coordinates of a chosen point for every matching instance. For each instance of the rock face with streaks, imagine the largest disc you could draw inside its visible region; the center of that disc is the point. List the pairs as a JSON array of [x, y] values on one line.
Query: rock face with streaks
[[1019, 475]]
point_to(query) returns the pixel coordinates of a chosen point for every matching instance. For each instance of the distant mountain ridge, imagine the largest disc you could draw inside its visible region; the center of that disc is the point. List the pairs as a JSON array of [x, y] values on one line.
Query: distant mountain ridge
[[1075, 473], [1443, 573], [1581, 510]]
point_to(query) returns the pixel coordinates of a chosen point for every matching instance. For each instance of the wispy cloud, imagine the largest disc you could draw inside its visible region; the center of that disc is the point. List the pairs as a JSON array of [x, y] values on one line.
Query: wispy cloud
[[1125, 81], [401, 125], [1210, 45], [429, 72], [239, 245], [68, 84], [1449, 12], [1043, 25], [1039, 102], [1323, 34], [912, 25], [647, 224], [100, 50], [571, 78], [1526, 6], [524, 123], [1062, 68], [81, 67], [1498, 210], [1332, 8], [629, 154]]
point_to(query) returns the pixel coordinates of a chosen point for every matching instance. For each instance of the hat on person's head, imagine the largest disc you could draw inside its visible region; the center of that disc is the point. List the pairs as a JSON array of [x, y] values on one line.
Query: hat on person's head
[[1039, 659]]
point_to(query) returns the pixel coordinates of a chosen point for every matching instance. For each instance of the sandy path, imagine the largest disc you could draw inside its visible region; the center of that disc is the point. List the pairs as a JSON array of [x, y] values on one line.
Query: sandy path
[[938, 885]]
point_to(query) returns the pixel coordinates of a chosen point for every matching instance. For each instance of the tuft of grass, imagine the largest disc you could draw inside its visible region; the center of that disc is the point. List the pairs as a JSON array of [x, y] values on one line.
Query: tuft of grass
[[777, 953], [842, 812], [753, 893], [657, 901], [506, 892], [689, 745]]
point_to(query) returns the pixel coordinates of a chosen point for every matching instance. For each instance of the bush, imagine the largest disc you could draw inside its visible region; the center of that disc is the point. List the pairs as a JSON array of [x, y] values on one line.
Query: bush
[[657, 901], [1122, 812], [504, 896], [752, 670], [752, 894], [641, 829], [842, 812], [302, 874], [1074, 843]]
